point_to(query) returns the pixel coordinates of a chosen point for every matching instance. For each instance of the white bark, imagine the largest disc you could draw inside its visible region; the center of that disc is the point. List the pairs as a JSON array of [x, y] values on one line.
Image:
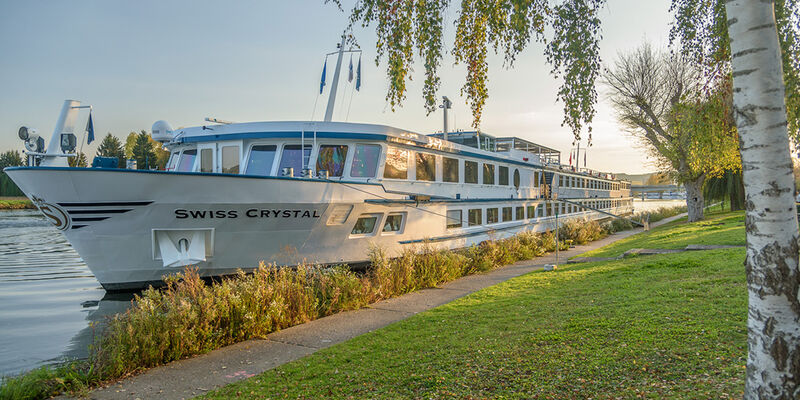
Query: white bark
[[773, 363]]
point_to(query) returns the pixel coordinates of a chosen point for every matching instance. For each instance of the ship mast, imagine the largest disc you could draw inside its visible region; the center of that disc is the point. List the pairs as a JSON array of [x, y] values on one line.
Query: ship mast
[[335, 85]]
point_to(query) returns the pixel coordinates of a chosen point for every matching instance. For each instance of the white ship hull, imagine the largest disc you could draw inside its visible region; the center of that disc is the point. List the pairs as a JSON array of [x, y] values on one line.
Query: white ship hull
[[113, 218]]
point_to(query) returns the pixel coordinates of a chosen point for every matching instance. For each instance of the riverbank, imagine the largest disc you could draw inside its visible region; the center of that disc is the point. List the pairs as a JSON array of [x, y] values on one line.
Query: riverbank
[[15, 203], [669, 325], [191, 318]]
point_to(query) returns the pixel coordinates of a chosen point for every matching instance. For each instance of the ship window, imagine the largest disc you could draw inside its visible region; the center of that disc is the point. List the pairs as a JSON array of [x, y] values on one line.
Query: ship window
[[503, 175], [396, 163], [206, 160], [540, 210], [173, 160], [531, 211], [365, 161], [507, 213], [520, 213], [187, 160], [365, 225], [516, 178], [475, 217], [488, 174], [450, 167], [394, 222], [230, 159], [331, 158], [491, 215], [261, 158], [426, 167], [470, 172], [293, 158], [454, 219]]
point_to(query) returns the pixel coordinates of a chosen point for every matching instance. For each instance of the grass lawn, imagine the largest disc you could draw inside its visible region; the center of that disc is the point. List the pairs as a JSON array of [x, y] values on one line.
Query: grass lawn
[[652, 326], [718, 228]]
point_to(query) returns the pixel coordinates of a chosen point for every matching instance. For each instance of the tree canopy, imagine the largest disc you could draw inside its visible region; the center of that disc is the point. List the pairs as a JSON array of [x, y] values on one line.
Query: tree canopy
[[405, 28], [111, 146]]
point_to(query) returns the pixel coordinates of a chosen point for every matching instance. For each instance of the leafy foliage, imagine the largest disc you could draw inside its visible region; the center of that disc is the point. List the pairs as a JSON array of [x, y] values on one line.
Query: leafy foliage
[[11, 158], [701, 31], [111, 146], [79, 161], [147, 152], [507, 26]]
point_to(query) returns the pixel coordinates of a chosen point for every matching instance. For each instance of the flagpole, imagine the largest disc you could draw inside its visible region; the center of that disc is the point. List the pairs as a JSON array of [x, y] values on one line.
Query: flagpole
[[335, 84]]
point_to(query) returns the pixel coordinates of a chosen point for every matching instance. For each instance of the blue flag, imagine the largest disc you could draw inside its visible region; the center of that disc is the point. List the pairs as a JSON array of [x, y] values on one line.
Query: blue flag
[[90, 128], [322, 81], [358, 74]]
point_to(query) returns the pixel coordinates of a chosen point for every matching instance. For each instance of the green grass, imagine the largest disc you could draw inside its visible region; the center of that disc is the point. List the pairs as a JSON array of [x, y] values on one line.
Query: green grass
[[657, 326], [720, 228]]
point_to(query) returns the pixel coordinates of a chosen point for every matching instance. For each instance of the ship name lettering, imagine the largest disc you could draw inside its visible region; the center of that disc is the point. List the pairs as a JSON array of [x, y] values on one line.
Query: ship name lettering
[[181, 213]]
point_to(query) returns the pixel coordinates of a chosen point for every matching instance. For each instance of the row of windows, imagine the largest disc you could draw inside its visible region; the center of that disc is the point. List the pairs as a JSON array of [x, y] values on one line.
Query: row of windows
[[568, 181], [330, 158], [475, 216], [364, 164], [397, 165]]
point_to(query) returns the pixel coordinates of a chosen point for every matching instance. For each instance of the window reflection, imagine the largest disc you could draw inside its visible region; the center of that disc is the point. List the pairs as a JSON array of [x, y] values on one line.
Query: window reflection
[[396, 163], [365, 161], [294, 158], [331, 158], [187, 161]]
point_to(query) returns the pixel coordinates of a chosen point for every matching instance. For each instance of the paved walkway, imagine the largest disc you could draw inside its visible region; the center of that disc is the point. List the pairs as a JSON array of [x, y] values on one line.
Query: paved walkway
[[195, 376]]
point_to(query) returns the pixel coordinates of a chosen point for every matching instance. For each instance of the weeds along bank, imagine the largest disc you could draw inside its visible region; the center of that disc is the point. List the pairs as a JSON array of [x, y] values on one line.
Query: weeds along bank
[[189, 317]]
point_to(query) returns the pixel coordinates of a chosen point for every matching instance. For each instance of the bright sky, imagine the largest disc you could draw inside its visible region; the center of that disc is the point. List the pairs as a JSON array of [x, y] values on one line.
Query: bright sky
[[182, 61]]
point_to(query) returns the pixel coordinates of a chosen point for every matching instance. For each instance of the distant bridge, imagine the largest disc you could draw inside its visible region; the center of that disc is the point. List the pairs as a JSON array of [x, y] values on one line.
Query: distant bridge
[[655, 188]]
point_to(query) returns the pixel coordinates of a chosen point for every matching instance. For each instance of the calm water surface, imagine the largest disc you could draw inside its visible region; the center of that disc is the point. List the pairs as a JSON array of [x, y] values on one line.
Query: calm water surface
[[49, 301], [48, 297]]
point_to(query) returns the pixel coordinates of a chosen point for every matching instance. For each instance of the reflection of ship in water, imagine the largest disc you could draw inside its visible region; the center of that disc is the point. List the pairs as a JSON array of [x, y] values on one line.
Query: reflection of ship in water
[[96, 318]]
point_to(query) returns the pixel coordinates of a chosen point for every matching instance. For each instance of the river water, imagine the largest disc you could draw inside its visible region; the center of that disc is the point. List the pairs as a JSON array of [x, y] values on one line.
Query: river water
[[50, 304]]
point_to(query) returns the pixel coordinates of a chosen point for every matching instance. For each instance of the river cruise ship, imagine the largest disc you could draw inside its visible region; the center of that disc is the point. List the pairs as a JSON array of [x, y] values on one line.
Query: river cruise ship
[[235, 194]]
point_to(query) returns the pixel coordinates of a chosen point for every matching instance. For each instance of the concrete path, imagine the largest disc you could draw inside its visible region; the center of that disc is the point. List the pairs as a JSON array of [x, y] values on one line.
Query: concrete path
[[194, 376]]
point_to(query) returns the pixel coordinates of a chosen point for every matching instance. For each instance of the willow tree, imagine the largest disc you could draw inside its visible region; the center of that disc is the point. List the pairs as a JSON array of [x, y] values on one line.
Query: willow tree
[[756, 38]]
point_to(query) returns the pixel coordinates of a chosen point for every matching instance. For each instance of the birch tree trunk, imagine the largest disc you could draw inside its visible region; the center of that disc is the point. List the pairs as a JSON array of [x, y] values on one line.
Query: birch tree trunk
[[694, 199], [773, 324]]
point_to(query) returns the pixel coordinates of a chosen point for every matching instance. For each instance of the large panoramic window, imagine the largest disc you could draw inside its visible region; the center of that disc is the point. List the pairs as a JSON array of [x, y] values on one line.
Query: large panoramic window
[[331, 158], [453, 219], [488, 174], [365, 161], [261, 158], [531, 211], [503, 171], [396, 163], [230, 159], [520, 213], [207, 160], [449, 169], [470, 172], [426, 167], [293, 157], [474, 217], [187, 161]]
